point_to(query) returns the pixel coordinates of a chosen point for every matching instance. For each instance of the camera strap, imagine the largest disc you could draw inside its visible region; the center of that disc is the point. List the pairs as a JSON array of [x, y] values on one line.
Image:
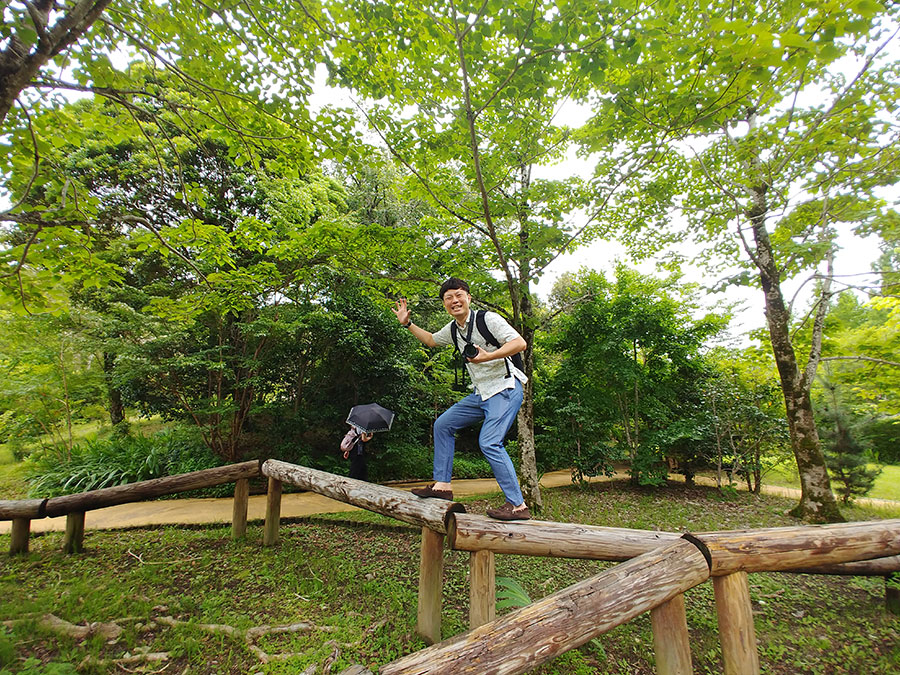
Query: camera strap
[[461, 361]]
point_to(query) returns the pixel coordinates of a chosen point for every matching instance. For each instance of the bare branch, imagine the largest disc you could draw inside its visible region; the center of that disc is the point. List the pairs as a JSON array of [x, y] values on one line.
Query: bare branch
[[815, 351], [868, 359]]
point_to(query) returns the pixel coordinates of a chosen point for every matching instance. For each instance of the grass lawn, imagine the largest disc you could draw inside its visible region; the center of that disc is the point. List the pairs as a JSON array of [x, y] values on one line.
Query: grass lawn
[[81, 432], [12, 481], [887, 485], [348, 583]]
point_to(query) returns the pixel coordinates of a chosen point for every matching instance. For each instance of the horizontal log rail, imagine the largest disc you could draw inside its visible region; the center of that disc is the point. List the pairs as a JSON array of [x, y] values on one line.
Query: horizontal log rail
[[123, 494], [876, 567], [525, 638], [868, 548], [150, 489], [781, 549], [398, 504], [13, 509], [469, 532]]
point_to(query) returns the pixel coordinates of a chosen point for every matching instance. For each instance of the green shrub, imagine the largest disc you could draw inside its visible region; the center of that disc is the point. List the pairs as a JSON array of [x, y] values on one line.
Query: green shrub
[[471, 466], [118, 460], [398, 459]]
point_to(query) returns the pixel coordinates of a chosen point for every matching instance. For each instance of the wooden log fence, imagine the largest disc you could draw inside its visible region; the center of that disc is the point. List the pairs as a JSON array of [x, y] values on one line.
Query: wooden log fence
[[74, 506], [870, 548], [532, 635], [876, 567], [388, 501], [149, 489], [658, 568], [846, 548], [470, 532], [780, 549]]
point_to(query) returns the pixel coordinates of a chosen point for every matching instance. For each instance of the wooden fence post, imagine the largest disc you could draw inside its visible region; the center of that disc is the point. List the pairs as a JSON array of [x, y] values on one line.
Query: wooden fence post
[[482, 588], [736, 631], [74, 539], [241, 503], [670, 638], [21, 528], [431, 576], [273, 513]]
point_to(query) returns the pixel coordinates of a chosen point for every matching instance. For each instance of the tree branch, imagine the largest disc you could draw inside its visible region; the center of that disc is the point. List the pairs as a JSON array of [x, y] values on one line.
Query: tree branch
[[818, 329], [868, 359]]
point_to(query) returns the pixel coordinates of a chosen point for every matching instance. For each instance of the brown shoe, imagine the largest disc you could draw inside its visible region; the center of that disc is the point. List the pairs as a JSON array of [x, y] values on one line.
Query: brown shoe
[[509, 512], [431, 492]]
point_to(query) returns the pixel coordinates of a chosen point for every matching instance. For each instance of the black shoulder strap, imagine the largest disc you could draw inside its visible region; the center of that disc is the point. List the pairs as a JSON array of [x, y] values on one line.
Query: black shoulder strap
[[483, 329], [459, 383], [488, 336], [454, 331]]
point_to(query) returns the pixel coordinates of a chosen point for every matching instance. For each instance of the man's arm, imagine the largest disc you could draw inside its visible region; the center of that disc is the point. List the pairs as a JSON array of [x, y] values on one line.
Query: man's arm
[[514, 346], [402, 313]]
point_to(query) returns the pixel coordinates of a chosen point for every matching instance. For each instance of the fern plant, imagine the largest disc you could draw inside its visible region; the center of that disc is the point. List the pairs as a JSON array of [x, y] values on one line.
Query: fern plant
[[510, 594]]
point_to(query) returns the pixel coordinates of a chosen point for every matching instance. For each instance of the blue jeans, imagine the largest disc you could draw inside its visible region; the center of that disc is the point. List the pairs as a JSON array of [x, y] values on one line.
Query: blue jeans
[[498, 413]]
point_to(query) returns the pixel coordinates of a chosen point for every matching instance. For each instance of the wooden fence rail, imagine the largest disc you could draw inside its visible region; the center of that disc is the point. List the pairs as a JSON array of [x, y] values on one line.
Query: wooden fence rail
[[876, 567], [74, 506], [780, 549], [388, 501], [470, 532], [859, 549]]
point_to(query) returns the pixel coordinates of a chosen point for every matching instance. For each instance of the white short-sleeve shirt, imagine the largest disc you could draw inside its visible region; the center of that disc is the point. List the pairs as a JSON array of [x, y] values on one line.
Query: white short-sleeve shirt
[[491, 377]]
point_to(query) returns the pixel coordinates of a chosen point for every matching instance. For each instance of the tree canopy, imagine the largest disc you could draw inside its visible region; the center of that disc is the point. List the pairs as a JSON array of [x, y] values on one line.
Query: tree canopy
[[167, 177]]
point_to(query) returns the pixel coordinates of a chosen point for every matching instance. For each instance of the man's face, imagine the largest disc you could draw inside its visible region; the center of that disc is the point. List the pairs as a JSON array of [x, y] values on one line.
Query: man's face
[[456, 302]]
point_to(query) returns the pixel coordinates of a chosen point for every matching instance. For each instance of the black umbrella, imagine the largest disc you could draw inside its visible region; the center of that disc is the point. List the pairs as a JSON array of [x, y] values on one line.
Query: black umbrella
[[370, 417]]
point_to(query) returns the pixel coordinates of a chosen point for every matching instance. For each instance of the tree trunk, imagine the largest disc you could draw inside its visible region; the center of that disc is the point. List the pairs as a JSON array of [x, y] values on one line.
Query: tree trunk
[[817, 502], [530, 482], [528, 473], [19, 64], [116, 409]]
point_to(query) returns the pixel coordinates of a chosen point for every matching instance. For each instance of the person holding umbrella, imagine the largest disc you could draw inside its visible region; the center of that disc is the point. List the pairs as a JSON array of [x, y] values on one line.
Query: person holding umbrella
[[364, 421], [354, 447], [496, 398]]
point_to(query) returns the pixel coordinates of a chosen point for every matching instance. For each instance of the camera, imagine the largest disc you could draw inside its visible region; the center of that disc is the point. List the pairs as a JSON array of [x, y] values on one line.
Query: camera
[[470, 351]]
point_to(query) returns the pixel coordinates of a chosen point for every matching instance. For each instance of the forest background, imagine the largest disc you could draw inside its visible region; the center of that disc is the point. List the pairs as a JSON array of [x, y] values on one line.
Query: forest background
[[187, 238]]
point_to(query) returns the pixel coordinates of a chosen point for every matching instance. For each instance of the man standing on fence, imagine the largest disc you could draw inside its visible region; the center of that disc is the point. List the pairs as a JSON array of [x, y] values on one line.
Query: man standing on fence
[[488, 345]]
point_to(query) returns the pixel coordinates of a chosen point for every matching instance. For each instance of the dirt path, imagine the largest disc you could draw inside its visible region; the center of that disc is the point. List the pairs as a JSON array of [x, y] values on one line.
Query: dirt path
[[297, 505]]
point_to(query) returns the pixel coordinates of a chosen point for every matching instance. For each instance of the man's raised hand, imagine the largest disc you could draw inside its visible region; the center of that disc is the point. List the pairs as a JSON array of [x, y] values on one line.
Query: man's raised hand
[[401, 311]]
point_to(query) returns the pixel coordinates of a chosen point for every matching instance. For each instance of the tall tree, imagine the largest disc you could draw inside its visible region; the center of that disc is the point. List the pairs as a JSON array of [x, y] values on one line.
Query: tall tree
[[779, 151], [748, 421], [221, 245]]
